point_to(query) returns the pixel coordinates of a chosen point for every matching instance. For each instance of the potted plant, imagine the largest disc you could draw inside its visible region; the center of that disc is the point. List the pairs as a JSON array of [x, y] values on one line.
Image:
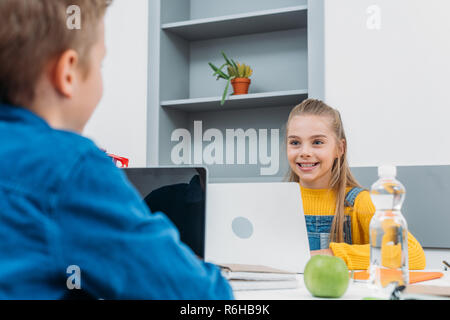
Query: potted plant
[[238, 74]]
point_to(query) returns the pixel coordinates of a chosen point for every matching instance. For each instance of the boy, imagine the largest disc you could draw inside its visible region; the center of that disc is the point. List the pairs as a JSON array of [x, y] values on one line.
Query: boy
[[71, 224]]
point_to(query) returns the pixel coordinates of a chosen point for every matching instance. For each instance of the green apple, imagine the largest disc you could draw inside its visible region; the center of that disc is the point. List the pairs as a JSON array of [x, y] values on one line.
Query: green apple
[[326, 276]]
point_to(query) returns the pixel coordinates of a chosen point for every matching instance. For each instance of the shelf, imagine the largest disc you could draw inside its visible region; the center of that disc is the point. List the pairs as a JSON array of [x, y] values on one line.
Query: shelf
[[240, 24], [247, 101]]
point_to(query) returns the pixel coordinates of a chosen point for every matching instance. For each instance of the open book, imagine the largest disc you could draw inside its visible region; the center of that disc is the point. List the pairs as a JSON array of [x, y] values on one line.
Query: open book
[[253, 277]]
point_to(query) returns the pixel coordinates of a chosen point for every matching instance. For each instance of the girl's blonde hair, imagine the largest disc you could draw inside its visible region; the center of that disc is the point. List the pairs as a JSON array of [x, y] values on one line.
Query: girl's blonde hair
[[341, 176]]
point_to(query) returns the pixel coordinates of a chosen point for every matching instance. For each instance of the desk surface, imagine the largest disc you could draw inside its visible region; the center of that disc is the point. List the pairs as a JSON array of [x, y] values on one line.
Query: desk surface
[[357, 290]]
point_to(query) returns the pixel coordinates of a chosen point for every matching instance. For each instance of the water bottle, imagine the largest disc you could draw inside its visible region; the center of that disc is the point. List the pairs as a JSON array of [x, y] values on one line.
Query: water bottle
[[388, 232]]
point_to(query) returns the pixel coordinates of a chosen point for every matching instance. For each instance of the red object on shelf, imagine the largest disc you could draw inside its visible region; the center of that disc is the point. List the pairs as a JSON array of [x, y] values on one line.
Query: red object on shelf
[[120, 162]]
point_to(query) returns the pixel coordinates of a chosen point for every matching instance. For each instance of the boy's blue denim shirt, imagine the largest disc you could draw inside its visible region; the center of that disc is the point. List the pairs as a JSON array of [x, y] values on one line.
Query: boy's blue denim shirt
[[64, 203]]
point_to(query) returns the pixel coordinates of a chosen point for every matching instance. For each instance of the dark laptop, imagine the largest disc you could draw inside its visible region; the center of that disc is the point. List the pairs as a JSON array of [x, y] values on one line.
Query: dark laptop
[[178, 192]]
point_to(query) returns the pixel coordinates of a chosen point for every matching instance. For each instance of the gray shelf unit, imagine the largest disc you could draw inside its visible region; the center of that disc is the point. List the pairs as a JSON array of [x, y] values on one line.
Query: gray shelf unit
[[184, 35]]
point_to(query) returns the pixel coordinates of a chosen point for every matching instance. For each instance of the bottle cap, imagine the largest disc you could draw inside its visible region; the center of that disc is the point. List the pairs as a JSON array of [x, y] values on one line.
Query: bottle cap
[[386, 171]]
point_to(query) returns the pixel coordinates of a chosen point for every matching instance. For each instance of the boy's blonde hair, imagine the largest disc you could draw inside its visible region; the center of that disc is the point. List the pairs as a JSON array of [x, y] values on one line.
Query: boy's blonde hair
[[341, 176], [33, 32]]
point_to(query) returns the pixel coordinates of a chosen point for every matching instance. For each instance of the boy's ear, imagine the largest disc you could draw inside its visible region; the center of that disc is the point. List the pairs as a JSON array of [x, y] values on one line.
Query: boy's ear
[[65, 75]]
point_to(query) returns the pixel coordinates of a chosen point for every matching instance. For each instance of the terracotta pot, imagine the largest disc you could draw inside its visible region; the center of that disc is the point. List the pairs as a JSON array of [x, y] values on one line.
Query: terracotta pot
[[240, 85]]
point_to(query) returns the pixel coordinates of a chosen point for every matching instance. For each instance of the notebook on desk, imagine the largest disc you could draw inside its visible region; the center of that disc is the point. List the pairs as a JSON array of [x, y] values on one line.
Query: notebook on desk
[[251, 277], [256, 224], [250, 272]]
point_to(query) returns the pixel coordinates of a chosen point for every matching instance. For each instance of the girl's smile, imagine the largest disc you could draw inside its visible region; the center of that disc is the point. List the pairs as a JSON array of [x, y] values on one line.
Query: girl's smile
[[307, 166]]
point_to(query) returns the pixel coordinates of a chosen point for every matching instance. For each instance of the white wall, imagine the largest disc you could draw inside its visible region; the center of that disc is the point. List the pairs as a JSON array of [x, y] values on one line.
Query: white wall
[[392, 84], [119, 123]]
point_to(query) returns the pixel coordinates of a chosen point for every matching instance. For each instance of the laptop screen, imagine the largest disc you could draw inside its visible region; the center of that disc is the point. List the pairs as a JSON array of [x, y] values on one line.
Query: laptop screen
[[179, 193]]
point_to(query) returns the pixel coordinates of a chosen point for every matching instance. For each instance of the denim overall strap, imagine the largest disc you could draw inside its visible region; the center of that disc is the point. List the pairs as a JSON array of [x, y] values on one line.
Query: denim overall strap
[[351, 196], [319, 226]]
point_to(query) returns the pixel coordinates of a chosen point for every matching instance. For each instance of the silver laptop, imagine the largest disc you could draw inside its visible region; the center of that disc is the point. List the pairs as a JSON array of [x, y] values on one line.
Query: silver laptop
[[256, 223]]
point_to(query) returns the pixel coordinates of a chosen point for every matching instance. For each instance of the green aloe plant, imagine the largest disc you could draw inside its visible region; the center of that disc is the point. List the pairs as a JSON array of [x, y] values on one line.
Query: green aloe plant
[[234, 70]]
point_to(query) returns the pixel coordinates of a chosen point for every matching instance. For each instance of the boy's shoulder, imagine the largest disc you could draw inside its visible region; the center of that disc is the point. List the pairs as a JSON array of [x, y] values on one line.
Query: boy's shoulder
[[64, 151], [59, 148], [24, 130], [37, 157], [72, 145]]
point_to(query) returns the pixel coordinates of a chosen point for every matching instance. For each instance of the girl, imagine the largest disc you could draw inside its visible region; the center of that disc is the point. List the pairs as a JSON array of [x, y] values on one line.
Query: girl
[[337, 209]]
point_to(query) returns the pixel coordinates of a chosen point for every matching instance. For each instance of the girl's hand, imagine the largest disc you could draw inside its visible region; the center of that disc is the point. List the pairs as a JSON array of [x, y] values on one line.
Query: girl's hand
[[327, 252]]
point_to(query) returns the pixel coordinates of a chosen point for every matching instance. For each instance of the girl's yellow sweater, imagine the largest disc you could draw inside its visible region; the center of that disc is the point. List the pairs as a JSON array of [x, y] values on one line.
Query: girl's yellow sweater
[[356, 255]]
